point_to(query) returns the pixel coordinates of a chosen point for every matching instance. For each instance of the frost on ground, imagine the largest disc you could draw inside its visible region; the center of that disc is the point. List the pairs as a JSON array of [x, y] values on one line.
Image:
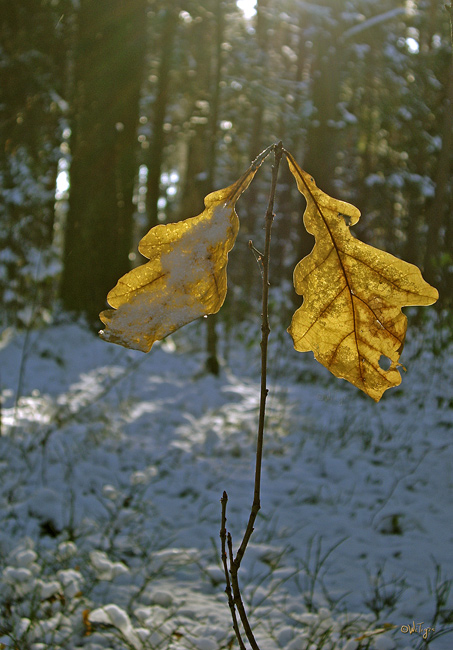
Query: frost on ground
[[112, 465]]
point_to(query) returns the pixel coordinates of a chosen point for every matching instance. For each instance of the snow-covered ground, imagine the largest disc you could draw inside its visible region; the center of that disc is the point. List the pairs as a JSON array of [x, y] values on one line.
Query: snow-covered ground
[[113, 463]]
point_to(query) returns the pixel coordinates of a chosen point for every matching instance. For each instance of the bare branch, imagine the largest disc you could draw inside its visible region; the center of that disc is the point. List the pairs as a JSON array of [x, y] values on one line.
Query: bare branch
[[223, 535], [232, 585]]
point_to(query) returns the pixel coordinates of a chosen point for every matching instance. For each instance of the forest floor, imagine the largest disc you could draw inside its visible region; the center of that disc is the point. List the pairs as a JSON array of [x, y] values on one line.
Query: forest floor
[[113, 463]]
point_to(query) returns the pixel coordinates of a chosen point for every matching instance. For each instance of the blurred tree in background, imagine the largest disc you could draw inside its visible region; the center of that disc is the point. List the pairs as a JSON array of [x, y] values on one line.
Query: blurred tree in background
[[153, 104], [32, 88], [108, 61]]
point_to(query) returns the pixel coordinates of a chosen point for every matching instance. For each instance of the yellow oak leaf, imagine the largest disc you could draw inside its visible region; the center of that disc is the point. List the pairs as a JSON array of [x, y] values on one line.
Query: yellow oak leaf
[[185, 277], [353, 294]]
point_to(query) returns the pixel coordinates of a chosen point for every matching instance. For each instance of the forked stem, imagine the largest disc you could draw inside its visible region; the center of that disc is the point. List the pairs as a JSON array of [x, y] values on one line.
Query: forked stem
[[232, 585], [223, 537]]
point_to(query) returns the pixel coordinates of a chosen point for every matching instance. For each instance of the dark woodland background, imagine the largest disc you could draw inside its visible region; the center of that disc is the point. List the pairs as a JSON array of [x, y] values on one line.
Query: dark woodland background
[[141, 107]]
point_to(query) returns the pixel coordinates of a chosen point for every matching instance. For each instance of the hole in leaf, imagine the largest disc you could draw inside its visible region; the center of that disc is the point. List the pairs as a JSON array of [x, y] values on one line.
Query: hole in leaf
[[384, 362], [346, 217]]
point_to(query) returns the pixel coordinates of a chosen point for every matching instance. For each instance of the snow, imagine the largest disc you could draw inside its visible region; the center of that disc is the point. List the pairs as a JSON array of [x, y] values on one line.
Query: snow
[[112, 465], [191, 281]]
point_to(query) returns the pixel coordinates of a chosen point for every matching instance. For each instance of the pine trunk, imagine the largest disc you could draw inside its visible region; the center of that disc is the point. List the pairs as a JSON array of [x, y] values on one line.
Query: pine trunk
[[108, 68]]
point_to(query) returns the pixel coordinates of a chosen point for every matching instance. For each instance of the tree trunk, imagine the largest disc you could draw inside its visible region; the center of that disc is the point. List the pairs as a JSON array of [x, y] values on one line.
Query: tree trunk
[[212, 361], [31, 79], [108, 68], [156, 150], [435, 214], [321, 149], [251, 200], [320, 160]]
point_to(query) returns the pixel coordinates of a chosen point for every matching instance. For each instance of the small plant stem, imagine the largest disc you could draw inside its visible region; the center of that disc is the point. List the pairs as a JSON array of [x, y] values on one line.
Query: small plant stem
[[232, 585], [223, 537], [265, 331], [238, 598]]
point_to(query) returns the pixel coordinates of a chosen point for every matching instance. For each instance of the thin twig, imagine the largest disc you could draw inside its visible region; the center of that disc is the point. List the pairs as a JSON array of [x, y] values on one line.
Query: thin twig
[[223, 535], [235, 562], [265, 330], [238, 602], [258, 256]]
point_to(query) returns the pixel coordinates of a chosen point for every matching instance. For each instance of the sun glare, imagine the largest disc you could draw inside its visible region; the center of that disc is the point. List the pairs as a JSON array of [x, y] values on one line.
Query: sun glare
[[412, 45], [248, 7]]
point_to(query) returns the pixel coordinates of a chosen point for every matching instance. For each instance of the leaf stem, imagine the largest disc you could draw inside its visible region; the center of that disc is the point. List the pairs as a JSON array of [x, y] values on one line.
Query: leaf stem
[[264, 154]]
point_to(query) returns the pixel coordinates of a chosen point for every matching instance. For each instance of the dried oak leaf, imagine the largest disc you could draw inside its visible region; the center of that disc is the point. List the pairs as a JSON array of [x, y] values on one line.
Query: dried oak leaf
[[185, 277], [353, 293]]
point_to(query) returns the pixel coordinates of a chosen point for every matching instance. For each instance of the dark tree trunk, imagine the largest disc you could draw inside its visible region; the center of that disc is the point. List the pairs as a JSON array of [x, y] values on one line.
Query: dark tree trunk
[[156, 150], [251, 206], [109, 58], [196, 171], [256, 138], [436, 212], [322, 137], [320, 160], [212, 362], [33, 60]]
